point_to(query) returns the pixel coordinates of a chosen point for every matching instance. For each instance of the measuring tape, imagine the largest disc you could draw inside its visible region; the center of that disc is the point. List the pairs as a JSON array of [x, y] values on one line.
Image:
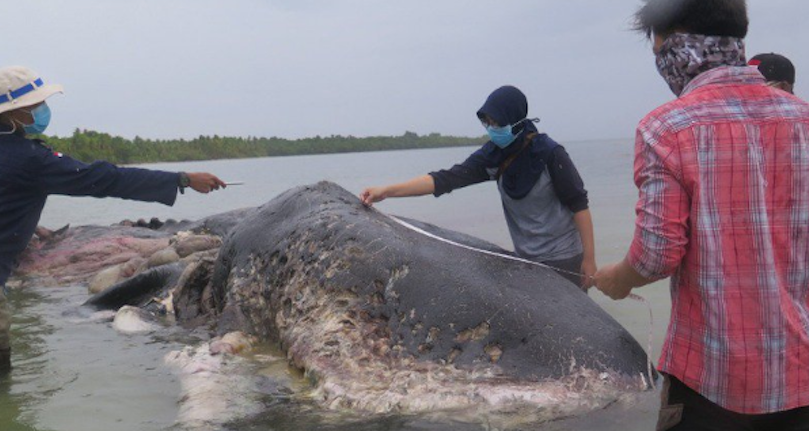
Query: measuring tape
[[542, 265]]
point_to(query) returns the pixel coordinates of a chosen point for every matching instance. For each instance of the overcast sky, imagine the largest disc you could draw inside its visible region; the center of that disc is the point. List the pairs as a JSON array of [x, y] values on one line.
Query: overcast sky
[[298, 68]]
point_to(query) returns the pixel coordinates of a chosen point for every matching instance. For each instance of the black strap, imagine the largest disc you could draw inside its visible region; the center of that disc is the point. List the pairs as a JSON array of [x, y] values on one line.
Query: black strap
[[506, 163]]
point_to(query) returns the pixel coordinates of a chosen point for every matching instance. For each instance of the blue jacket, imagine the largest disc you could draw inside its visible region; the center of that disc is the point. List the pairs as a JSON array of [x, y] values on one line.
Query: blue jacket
[[29, 172]]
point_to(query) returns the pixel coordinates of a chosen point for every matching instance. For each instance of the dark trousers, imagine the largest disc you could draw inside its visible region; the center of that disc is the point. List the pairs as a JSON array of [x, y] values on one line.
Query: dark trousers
[[570, 268], [5, 337], [683, 409], [5, 322]]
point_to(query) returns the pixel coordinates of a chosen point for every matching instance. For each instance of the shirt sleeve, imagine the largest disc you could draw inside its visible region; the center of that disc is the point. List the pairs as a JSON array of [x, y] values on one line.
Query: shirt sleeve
[[661, 224], [472, 171], [57, 174], [567, 182]]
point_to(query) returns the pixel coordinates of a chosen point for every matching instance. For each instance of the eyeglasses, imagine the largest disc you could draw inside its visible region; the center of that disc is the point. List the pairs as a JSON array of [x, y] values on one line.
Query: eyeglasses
[[486, 122]]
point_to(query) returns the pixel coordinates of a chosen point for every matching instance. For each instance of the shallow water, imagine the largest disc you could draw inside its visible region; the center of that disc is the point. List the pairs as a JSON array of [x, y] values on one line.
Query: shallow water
[[71, 373]]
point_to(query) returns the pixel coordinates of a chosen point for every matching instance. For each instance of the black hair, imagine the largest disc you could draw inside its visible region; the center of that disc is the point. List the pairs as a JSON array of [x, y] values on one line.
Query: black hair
[[705, 17]]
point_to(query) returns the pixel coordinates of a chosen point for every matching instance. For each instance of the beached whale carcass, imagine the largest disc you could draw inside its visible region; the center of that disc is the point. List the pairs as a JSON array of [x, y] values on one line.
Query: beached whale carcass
[[385, 318]]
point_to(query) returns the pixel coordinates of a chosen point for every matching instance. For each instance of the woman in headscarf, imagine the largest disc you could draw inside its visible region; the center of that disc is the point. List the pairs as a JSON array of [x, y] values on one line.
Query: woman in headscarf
[[543, 196]]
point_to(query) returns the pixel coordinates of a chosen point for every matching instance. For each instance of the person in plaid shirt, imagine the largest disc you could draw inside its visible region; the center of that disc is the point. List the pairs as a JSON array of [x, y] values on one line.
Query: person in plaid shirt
[[723, 209]]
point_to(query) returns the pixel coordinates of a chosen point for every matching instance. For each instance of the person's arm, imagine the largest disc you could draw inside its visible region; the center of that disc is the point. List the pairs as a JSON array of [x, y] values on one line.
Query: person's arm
[[661, 225], [471, 171], [584, 223], [202, 182], [53, 173], [418, 186], [618, 280], [569, 188], [567, 182]]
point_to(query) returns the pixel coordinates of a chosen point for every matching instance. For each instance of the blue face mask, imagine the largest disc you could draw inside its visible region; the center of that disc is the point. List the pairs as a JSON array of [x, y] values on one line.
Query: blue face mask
[[42, 117], [502, 136]]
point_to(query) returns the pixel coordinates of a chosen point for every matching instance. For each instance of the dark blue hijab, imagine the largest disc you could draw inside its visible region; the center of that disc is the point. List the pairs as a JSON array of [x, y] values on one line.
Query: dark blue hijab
[[508, 105]]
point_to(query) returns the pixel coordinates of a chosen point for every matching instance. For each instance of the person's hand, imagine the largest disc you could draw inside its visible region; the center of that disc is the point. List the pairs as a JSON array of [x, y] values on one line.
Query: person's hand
[[372, 195], [204, 182], [588, 270], [608, 281]]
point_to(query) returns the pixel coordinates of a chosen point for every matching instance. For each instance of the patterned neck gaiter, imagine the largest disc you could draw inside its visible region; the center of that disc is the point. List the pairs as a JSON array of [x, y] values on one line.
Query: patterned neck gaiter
[[684, 56]]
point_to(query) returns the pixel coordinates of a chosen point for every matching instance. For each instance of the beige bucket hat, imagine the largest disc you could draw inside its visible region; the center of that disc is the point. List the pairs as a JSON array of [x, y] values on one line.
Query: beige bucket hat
[[21, 87]]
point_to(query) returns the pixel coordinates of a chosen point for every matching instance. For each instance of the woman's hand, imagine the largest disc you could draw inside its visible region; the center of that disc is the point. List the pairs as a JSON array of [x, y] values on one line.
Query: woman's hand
[[372, 195], [418, 186]]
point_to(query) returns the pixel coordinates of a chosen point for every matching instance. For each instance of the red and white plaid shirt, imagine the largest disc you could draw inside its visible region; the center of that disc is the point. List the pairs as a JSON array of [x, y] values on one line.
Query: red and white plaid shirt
[[723, 175]]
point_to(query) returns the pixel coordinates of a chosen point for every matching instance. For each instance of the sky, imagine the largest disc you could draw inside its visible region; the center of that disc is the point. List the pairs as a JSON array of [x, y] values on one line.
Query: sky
[[300, 68]]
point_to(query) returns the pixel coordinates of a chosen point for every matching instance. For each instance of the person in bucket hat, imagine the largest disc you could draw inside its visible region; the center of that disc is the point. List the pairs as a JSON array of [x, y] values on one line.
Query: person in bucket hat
[[30, 171]]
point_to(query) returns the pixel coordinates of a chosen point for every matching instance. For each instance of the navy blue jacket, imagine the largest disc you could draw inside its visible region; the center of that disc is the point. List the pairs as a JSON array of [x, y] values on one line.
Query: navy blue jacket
[[567, 182], [29, 172]]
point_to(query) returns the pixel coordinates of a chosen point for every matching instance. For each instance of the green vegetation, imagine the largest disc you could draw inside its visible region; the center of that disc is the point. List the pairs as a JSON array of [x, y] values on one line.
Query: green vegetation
[[89, 146]]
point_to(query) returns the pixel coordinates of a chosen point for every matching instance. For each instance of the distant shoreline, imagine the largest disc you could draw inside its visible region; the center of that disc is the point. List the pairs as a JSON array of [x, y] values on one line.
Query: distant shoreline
[[88, 146]]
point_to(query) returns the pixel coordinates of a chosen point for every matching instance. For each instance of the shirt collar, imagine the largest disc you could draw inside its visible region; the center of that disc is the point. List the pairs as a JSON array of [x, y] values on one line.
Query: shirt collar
[[725, 75]]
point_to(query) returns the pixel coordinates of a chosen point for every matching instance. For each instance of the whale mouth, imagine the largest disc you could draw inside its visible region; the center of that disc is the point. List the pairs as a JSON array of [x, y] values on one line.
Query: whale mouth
[[353, 364], [223, 382], [351, 368], [220, 386]]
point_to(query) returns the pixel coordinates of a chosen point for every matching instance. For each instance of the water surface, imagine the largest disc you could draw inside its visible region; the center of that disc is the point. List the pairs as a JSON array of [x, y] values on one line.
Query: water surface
[[71, 374]]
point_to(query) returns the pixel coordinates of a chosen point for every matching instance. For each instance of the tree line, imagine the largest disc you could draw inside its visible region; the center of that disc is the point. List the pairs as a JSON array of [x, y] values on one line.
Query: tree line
[[88, 146]]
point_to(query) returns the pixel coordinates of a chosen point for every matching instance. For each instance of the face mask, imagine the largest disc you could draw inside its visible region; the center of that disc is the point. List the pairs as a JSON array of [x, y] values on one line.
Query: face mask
[[502, 136], [42, 117], [669, 73], [682, 57]]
